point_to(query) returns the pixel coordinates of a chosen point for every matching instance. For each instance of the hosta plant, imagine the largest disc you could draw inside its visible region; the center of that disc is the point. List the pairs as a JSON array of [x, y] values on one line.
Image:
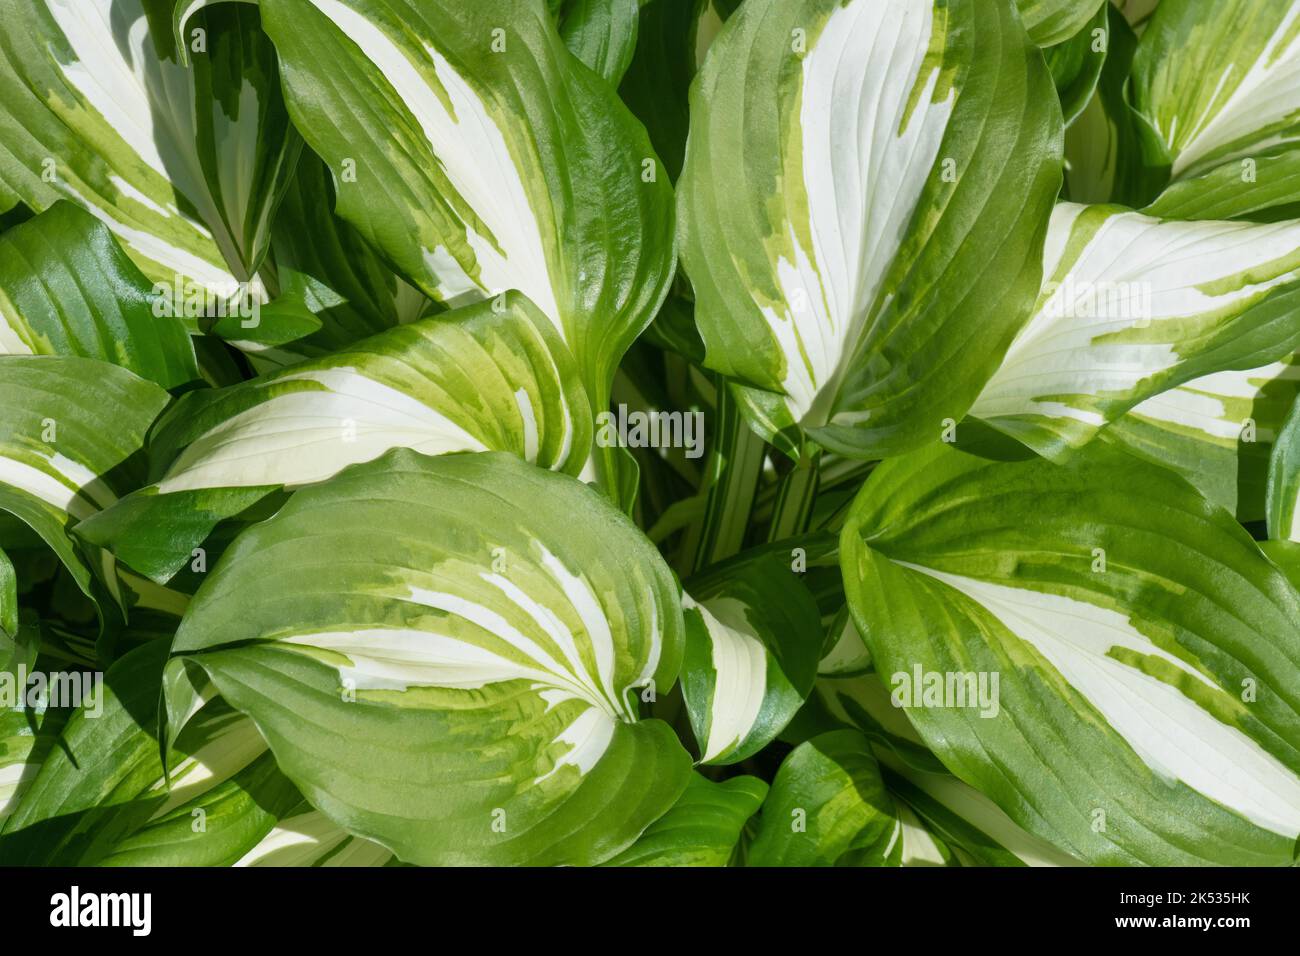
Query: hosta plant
[[649, 432]]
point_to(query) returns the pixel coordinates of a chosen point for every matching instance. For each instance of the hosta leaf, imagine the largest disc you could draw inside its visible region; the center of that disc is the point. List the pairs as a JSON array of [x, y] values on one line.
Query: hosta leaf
[[322, 259], [1216, 431], [1284, 481], [1136, 12], [1265, 190], [444, 655], [1076, 63], [217, 828], [848, 654], [1132, 306], [752, 643], [66, 288], [828, 807], [601, 33], [658, 78], [1286, 555], [25, 740], [281, 322], [8, 607], [1134, 655], [102, 788], [1110, 155], [1050, 22], [309, 838], [1217, 82], [884, 273], [489, 376], [470, 147], [703, 828], [69, 428], [247, 150], [956, 812], [182, 164]]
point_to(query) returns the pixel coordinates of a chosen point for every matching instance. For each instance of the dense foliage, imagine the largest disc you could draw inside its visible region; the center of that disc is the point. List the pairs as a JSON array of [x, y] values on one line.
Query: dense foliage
[[649, 432]]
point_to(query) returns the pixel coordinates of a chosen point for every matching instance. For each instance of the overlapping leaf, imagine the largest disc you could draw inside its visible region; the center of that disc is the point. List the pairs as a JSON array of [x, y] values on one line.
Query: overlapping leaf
[[752, 643], [67, 439], [66, 288], [450, 664], [1145, 651], [863, 286], [1132, 306], [489, 376], [184, 164], [470, 147]]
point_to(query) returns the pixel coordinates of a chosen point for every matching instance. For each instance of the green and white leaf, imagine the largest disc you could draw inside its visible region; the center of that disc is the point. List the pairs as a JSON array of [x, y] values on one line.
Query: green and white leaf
[[705, 827], [886, 272], [310, 838], [69, 429], [1132, 306], [1284, 481], [488, 376], [828, 807], [66, 288], [247, 150], [25, 739], [339, 277], [1218, 82], [473, 150], [966, 820], [182, 164], [100, 794], [1216, 431], [1136, 12], [848, 655], [1263, 188], [445, 654], [1146, 653], [1110, 153], [752, 643]]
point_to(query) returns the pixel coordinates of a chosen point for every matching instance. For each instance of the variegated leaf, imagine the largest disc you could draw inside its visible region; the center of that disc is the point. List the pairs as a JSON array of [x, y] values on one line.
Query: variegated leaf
[[445, 655], [863, 286], [70, 431], [1132, 306], [470, 147], [1050, 22], [99, 794], [828, 807], [1216, 431], [184, 164], [489, 376], [1118, 673], [752, 643], [66, 288], [1211, 102], [310, 838], [969, 823], [1284, 481], [705, 827]]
